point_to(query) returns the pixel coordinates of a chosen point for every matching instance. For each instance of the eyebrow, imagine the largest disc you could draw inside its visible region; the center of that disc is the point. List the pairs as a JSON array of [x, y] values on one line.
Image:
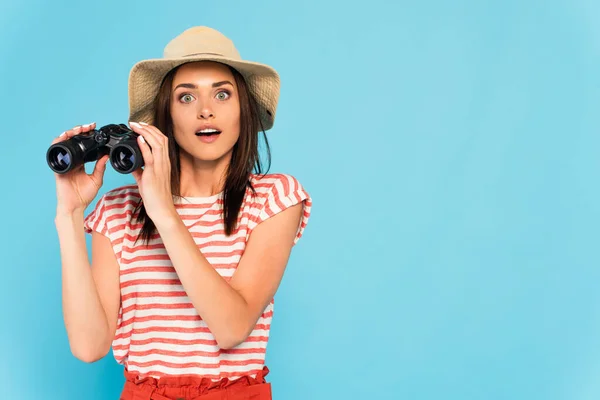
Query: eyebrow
[[192, 86]]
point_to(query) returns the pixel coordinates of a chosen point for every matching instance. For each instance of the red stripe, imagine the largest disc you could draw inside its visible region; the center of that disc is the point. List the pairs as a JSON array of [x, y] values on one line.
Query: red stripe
[[137, 270], [214, 243], [153, 294], [158, 306], [179, 342], [222, 375], [189, 343], [175, 306], [278, 196], [175, 329], [207, 224], [174, 282], [198, 235], [253, 350], [192, 342], [165, 257], [214, 265], [123, 192], [170, 353], [152, 318], [200, 353]]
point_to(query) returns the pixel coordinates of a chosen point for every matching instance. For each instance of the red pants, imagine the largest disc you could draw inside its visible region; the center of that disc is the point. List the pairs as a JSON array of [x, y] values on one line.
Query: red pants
[[191, 388]]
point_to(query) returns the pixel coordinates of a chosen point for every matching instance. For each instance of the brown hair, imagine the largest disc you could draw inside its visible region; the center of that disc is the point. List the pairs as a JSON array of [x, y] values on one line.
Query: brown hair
[[244, 159]]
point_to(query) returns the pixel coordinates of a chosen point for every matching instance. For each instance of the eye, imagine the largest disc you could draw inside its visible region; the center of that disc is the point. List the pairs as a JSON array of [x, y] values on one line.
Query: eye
[[186, 98], [223, 95]]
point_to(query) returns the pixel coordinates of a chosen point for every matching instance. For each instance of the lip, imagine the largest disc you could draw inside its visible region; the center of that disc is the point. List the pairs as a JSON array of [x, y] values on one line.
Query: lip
[[209, 138]]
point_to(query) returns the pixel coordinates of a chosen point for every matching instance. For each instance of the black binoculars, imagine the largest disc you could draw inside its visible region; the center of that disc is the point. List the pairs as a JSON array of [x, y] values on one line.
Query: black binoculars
[[119, 141]]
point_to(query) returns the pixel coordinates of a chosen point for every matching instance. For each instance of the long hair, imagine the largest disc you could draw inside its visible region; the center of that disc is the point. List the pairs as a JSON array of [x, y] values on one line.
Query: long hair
[[245, 158]]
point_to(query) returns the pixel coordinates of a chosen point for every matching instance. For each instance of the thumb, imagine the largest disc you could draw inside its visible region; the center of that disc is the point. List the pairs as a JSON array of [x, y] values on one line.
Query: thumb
[[137, 175]]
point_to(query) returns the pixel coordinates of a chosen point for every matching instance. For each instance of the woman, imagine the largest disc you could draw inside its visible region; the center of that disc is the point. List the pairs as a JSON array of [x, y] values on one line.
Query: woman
[[185, 263]]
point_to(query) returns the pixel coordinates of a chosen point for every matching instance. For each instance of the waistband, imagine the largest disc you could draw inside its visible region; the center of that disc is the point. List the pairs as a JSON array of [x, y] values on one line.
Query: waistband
[[190, 387]]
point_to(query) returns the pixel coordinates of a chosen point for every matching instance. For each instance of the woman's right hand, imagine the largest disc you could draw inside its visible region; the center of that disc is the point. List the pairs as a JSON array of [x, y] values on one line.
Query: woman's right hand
[[76, 189]]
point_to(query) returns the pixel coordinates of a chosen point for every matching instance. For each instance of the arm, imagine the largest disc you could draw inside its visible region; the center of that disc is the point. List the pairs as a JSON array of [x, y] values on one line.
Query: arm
[[231, 309], [90, 294]]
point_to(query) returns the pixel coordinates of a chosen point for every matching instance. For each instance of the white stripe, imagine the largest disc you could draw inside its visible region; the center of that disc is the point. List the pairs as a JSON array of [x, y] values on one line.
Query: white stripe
[[174, 336], [155, 300]]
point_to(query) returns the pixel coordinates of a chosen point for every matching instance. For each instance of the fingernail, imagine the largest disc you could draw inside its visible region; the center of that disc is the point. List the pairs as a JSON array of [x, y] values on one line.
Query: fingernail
[[142, 139], [62, 134], [88, 125], [143, 123], [134, 124]]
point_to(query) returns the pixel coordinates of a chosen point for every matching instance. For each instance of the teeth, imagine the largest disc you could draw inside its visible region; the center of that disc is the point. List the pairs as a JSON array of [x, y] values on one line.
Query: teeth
[[208, 131]]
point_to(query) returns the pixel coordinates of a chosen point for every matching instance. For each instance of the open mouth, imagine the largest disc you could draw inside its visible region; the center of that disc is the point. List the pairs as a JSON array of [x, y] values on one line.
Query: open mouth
[[208, 132]]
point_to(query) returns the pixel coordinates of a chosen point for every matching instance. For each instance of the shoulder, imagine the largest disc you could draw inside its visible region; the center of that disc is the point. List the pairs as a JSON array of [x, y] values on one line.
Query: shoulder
[[122, 195], [277, 192], [113, 207], [275, 184]]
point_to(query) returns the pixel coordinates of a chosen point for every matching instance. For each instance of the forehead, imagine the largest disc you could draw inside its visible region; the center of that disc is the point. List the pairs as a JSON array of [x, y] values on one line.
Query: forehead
[[202, 72]]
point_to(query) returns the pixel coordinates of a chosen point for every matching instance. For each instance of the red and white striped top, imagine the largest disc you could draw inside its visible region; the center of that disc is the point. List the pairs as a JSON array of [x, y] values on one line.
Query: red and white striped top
[[159, 331]]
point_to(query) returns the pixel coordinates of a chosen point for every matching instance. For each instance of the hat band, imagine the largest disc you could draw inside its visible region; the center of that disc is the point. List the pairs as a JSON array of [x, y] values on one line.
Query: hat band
[[200, 54]]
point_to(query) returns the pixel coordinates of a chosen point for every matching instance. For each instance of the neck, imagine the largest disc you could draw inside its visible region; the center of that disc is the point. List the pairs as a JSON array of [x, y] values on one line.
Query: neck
[[202, 178]]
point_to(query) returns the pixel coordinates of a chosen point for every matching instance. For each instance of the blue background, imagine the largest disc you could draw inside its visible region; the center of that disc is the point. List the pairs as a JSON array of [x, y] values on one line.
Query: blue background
[[453, 155]]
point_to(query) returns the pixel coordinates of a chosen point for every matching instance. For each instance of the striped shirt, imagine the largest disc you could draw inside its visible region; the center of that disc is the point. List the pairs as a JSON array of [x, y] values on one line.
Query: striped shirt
[[159, 332]]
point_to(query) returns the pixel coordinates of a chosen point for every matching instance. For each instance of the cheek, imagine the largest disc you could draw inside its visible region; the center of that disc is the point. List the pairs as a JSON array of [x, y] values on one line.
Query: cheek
[[180, 117], [234, 119]]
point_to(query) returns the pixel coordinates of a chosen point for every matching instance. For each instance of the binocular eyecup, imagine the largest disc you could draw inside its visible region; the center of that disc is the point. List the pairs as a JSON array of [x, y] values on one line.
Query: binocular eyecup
[[118, 141]]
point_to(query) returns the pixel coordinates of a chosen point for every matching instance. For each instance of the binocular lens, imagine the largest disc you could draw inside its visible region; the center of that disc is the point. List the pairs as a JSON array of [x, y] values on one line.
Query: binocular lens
[[59, 159], [123, 159]]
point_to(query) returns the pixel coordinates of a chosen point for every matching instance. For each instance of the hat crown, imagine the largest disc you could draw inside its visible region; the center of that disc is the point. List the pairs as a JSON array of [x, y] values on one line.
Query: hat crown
[[200, 40], [196, 44]]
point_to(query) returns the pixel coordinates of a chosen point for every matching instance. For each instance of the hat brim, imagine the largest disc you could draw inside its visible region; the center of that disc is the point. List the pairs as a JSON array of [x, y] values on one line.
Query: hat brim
[[146, 77]]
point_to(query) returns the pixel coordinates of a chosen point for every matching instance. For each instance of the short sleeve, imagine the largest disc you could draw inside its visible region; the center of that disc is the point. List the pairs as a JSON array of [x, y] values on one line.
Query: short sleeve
[[286, 191], [96, 220]]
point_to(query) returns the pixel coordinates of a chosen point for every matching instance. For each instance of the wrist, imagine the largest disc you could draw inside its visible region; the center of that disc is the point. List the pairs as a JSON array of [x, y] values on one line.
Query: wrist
[[166, 220], [62, 214], [67, 220]]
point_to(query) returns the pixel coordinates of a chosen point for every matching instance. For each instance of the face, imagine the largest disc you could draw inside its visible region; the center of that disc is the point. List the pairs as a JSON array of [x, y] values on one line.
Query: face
[[205, 110]]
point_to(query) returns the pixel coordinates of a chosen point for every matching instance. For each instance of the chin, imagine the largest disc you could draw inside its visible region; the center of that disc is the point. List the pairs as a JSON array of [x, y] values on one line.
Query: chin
[[208, 152], [210, 155]]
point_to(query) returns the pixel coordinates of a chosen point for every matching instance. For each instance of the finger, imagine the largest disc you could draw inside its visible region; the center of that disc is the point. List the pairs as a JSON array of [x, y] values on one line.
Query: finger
[[65, 135], [87, 127], [76, 130], [80, 129], [145, 149], [151, 137], [161, 137], [60, 138]]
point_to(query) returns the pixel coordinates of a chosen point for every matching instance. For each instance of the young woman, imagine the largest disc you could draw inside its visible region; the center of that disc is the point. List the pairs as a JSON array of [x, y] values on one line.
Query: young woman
[[186, 262]]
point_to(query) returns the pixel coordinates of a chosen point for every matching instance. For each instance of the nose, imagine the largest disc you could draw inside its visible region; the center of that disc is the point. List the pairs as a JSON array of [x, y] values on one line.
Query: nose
[[205, 112]]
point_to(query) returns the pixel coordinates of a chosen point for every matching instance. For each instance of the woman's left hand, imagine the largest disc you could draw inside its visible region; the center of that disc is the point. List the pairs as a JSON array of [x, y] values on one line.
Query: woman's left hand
[[154, 180]]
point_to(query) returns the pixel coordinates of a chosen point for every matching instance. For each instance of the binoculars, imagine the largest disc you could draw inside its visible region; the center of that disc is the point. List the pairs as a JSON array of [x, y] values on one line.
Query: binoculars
[[118, 141]]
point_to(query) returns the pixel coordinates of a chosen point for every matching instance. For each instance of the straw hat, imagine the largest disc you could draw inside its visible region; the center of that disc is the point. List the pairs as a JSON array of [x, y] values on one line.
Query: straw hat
[[200, 44]]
